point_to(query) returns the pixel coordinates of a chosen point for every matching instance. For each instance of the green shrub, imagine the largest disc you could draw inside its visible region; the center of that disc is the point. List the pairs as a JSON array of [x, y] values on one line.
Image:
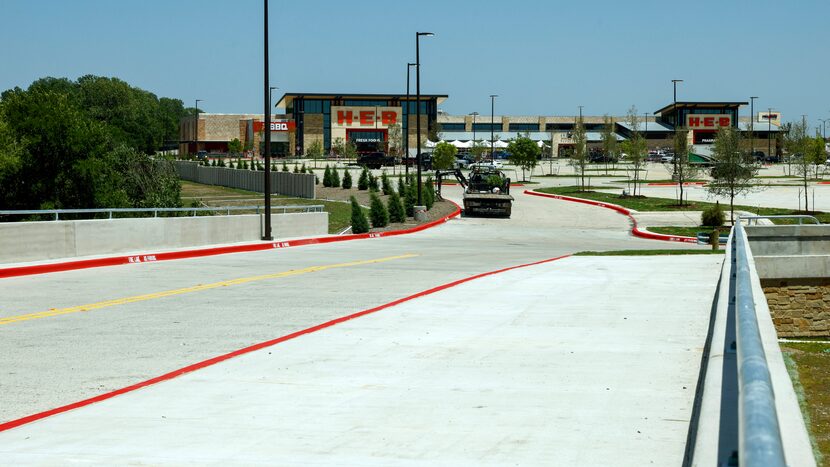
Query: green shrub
[[401, 187], [363, 181], [395, 208], [347, 179], [495, 181], [231, 165], [296, 169], [429, 194], [327, 177], [213, 163], [359, 222], [335, 177], [284, 166], [713, 216], [373, 183], [385, 184], [245, 165], [410, 199], [378, 212], [221, 162], [303, 169]]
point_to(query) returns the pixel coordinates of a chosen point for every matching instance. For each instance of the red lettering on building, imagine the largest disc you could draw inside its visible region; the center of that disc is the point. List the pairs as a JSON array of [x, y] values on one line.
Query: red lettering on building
[[694, 121], [709, 121], [344, 117], [367, 117], [388, 118], [723, 121]]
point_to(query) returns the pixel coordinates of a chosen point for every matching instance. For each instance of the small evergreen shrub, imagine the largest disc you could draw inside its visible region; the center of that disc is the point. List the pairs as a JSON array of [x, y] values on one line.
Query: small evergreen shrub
[[284, 166], [296, 169], [395, 208], [347, 179], [410, 199], [385, 184], [713, 216], [335, 177], [303, 169], [363, 181], [378, 212], [359, 222], [401, 187], [327, 177], [429, 194]]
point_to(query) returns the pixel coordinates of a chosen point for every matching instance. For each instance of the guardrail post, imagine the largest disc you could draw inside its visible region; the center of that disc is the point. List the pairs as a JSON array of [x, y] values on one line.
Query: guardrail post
[[57, 215]]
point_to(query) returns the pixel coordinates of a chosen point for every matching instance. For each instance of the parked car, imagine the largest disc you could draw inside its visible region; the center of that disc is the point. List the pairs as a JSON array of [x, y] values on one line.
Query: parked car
[[601, 157], [463, 161], [759, 156], [375, 160], [426, 161], [201, 155], [667, 158], [486, 165]]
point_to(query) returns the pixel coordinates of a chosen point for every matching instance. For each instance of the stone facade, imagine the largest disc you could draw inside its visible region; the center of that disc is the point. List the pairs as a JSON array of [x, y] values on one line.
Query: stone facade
[[799, 308]]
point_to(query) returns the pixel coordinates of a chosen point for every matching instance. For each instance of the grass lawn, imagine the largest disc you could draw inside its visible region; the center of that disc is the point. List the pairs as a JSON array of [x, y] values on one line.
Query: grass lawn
[[648, 252], [809, 366], [685, 231], [643, 203], [340, 214], [644, 182]]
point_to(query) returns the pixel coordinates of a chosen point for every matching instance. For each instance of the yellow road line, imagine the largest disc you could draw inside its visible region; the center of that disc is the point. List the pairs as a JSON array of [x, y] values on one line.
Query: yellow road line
[[195, 288]]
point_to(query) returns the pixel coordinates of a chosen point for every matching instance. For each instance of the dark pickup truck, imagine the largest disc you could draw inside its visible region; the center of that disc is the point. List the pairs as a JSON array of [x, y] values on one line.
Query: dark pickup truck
[[375, 160]]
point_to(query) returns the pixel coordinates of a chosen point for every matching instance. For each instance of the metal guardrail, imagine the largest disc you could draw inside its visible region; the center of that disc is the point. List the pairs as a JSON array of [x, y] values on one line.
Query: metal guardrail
[[759, 435], [226, 209], [800, 217]]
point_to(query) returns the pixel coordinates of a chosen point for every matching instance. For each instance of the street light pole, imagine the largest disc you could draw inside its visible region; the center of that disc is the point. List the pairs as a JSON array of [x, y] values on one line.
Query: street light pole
[[492, 125], [474, 114], [676, 124], [197, 126], [266, 234], [418, 104], [406, 143], [752, 125], [769, 133]]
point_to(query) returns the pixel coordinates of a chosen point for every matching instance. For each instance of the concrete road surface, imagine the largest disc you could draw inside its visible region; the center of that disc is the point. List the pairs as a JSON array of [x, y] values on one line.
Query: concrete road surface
[[72, 335]]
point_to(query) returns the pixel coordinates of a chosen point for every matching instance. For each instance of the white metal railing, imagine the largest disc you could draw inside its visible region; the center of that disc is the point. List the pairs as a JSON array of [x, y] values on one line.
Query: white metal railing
[[109, 211]]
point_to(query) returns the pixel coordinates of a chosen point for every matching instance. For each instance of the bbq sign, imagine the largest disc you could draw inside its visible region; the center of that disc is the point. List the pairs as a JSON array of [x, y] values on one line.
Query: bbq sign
[[364, 117], [279, 125], [707, 121]]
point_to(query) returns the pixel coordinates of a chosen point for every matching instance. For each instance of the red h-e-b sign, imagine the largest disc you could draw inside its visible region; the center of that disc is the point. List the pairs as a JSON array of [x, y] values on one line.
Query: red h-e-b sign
[[366, 118], [704, 121]]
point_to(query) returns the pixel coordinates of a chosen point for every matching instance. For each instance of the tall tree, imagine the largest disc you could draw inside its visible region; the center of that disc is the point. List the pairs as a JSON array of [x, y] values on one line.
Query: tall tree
[[524, 153], [734, 168], [635, 146], [579, 157], [315, 151], [682, 169], [443, 156], [609, 141]]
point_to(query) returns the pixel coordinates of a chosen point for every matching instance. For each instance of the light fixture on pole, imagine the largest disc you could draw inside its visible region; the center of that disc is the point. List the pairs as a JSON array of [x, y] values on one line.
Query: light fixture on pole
[[406, 120], [676, 123], [492, 125], [752, 125], [197, 126], [266, 233], [769, 133], [474, 114], [418, 104]]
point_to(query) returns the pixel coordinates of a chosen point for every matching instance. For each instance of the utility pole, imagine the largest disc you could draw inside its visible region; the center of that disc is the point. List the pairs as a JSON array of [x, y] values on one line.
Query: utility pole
[[197, 127], [492, 124], [406, 120], [266, 234], [752, 125]]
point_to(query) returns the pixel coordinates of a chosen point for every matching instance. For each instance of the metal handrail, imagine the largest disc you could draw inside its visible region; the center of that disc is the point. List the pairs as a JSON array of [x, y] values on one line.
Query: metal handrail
[[800, 217], [759, 435], [156, 211]]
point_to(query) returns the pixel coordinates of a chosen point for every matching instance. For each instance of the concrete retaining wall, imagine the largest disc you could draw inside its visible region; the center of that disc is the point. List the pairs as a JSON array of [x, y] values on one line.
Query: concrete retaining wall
[[282, 183], [36, 241]]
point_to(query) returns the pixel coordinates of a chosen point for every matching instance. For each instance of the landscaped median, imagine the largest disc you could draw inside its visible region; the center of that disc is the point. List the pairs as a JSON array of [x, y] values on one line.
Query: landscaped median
[[635, 230]]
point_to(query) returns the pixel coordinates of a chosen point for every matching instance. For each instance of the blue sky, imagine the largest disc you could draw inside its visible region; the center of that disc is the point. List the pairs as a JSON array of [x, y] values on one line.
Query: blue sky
[[540, 57]]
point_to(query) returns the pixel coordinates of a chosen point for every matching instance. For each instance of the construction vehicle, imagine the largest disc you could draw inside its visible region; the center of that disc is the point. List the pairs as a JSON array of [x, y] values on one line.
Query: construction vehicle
[[486, 191]]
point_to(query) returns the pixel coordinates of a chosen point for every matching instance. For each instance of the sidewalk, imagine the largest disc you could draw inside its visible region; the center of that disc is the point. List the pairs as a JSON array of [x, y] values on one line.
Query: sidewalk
[[573, 362]]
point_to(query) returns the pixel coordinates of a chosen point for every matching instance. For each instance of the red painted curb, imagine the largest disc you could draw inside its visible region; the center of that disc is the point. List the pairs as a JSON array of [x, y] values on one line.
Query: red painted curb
[[221, 358], [823, 183], [211, 251], [674, 184], [634, 230]]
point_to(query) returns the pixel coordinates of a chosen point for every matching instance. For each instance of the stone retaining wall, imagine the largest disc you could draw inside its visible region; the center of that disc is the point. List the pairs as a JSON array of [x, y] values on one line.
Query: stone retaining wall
[[799, 308]]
